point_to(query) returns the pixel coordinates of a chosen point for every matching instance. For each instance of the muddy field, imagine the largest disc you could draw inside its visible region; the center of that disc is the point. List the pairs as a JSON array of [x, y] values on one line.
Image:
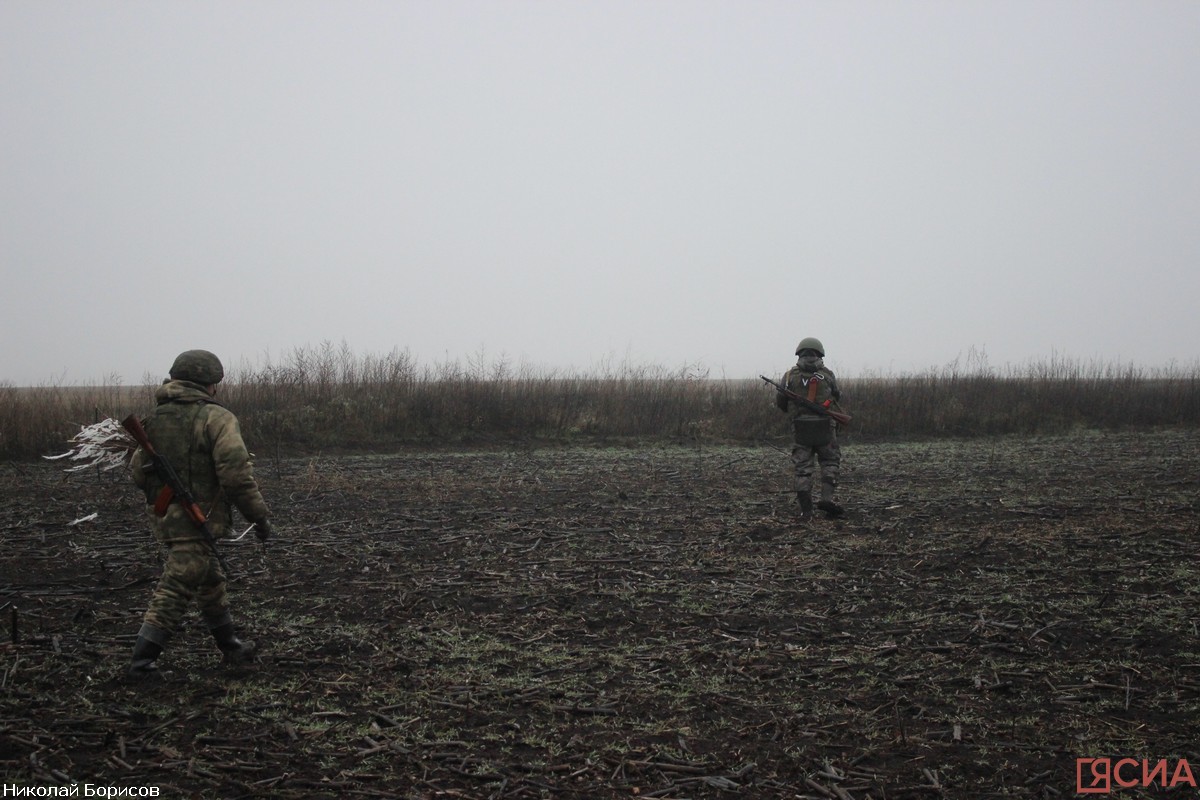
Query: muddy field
[[618, 622]]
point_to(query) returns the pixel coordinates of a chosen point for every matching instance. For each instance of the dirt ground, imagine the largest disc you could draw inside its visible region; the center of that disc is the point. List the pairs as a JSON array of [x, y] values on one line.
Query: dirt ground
[[651, 621]]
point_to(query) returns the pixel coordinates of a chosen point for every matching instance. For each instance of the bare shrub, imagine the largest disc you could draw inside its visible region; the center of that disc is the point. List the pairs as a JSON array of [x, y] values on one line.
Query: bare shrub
[[326, 398]]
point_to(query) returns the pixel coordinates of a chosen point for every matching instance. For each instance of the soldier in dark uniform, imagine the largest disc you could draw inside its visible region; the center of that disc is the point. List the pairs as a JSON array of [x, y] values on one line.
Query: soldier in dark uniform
[[813, 434], [203, 442]]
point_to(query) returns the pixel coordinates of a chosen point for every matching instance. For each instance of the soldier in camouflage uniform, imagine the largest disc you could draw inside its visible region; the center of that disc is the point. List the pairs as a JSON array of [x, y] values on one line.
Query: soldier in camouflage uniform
[[203, 442], [813, 433]]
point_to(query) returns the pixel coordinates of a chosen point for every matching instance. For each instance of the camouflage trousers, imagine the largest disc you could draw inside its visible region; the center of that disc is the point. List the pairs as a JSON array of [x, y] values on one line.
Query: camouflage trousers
[[828, 457], [192, 572]]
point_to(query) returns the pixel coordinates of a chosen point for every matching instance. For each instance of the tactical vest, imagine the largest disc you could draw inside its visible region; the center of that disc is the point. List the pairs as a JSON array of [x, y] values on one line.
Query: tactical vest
[[176, 429], [810, 428]]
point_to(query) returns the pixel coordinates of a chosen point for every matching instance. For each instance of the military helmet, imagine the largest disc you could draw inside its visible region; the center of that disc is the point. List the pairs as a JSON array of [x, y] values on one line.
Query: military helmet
[[197, 366], [811, 343]]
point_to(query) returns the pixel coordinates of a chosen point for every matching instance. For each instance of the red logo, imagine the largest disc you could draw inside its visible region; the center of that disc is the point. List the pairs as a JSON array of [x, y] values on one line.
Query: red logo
[[1105, 775]]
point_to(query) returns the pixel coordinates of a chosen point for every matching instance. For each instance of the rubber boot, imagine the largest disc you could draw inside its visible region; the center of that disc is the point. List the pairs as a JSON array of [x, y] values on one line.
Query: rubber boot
[[237, 652], [826, 503], [146, 650], [806, 505]]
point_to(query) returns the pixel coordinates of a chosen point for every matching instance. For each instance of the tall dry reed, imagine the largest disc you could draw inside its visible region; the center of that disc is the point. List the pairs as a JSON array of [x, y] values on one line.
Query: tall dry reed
[[328, 398]]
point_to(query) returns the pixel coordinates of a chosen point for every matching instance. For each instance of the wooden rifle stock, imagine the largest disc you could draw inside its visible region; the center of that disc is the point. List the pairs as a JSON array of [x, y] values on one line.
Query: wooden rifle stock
[[837, 416], [174, 489]]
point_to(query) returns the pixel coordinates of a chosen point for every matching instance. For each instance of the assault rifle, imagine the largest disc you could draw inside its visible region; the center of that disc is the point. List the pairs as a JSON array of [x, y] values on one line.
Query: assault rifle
[[175, 489], [837, 416]]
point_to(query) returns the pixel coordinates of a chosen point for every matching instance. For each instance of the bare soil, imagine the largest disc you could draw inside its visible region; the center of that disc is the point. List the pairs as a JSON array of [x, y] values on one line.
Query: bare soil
[[631, 621]]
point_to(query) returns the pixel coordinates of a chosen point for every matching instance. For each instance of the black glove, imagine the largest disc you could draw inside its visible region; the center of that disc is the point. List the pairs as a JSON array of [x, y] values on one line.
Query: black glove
[[263, 530]]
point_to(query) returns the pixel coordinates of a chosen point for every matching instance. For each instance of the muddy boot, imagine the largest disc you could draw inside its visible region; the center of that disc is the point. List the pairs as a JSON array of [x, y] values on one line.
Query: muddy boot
[[806, 505], [826, 503], [146, 649], [237, 652]]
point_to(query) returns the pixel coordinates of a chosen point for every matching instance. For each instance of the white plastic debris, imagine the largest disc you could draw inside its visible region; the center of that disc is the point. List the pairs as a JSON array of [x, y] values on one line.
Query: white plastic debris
[[103, 445], [243, 535]]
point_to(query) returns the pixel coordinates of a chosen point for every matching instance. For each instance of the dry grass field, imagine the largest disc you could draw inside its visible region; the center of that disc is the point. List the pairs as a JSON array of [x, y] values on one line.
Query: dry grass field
[[327, 399], [586, 622]]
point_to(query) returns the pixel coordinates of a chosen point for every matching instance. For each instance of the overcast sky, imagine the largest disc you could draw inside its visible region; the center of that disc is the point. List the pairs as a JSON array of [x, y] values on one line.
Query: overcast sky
[[570, 184]]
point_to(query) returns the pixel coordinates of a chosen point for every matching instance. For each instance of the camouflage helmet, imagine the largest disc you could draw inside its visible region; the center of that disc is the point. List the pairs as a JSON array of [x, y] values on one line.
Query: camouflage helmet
[[197, 366], [811, 343]]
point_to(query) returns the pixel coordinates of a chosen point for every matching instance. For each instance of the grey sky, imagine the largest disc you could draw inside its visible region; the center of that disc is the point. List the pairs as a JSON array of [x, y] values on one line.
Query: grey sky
[[566, 184]]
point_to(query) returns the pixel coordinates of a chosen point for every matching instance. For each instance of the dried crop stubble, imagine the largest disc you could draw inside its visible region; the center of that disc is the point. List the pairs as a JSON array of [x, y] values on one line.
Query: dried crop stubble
[[593, 622]]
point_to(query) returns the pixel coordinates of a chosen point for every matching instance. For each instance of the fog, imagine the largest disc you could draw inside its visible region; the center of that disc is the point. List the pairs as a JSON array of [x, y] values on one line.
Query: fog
[[564, 185]]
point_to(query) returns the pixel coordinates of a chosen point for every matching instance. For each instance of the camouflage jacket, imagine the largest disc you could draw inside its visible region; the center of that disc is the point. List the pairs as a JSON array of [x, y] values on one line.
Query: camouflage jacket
[[809, 378], [203, 441]]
